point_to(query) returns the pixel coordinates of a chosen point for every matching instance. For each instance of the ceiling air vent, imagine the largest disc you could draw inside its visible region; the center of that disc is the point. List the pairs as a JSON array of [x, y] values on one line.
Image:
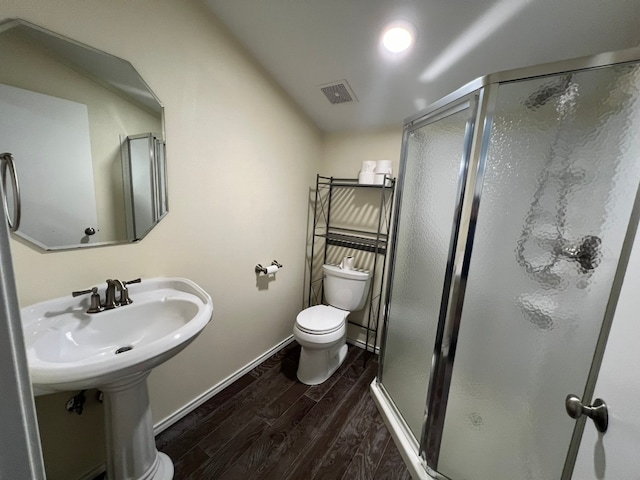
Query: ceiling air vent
[[338, 92]]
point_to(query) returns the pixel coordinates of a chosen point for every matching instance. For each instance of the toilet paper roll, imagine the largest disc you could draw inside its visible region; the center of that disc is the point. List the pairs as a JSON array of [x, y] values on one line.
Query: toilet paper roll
[[384, 166], [368, 166], [272, 269], [348, 263], [366, 178], [378, 178]]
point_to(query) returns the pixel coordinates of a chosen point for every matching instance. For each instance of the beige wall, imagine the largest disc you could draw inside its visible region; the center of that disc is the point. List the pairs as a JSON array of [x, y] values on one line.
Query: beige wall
[[241, 160], [343, 154]]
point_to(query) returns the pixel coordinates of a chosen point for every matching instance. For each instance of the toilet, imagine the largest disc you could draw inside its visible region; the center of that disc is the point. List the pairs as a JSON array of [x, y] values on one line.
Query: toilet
[[321, 330]]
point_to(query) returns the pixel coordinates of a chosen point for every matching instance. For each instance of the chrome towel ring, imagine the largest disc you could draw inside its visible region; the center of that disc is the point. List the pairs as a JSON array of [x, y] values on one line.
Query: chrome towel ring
[[6, 163]]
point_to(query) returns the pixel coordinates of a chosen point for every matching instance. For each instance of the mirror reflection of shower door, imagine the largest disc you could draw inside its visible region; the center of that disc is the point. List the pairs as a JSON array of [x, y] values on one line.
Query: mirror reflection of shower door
[[145, 181], [560, 181], [434, 162]]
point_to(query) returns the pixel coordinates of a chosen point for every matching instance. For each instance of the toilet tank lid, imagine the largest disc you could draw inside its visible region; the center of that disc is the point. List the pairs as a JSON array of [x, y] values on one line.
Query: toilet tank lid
[[350, 274]]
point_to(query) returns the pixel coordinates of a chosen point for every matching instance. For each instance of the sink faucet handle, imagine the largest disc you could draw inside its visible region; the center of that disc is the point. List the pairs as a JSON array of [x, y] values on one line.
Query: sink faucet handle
[[77, 293], [124, 292], [124, 296], [95, 306]]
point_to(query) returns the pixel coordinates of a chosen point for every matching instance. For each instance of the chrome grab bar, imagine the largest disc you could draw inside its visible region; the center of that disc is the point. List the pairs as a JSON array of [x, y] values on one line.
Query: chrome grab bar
[[6, 160]]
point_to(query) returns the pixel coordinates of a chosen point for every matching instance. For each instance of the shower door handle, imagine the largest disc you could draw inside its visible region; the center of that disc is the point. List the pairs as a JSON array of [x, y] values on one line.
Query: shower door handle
[[597, 411]]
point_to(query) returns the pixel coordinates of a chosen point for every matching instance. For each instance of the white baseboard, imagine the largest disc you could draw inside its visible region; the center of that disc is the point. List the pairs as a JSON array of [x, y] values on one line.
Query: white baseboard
[[360, 344], [196, 402]]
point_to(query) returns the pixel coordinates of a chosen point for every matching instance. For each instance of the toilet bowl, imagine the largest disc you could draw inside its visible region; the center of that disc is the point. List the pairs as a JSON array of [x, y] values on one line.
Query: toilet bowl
[[321, 330]]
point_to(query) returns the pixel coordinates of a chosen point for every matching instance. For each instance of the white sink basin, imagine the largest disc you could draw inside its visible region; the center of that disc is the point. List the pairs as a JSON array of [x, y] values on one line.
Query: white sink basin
[[69, 349]]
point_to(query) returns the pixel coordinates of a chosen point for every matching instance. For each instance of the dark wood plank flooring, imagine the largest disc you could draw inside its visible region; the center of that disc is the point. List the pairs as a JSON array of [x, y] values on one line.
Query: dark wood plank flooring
[[267, 425]]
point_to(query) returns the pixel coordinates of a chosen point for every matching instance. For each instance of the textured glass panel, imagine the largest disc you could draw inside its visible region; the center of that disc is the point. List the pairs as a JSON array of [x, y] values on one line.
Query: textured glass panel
[[561, 176], [427, 211]]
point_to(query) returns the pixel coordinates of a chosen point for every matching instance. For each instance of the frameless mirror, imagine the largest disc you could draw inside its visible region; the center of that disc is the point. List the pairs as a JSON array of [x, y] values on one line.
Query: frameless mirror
[[87, 138]]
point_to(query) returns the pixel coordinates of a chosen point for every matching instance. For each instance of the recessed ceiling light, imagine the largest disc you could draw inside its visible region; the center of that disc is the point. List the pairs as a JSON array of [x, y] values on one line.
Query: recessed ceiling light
[[397, 38]]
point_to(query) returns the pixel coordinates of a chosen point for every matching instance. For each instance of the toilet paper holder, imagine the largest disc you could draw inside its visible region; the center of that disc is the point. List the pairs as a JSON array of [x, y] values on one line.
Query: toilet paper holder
[[260, 269]]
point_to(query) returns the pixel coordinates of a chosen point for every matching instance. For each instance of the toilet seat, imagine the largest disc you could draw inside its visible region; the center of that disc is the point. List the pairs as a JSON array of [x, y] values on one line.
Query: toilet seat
[[321, 319]]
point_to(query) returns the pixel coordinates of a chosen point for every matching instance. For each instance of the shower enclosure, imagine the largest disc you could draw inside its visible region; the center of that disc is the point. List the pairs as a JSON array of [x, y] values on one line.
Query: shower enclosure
[[517, 209]]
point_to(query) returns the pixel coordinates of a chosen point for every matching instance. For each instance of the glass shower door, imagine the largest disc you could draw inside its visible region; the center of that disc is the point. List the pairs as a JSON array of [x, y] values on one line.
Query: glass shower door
[[431, 182], [560, 182]]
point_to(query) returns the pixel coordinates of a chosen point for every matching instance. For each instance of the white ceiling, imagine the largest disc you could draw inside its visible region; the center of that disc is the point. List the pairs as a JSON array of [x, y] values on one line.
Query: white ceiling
[[307, 43]]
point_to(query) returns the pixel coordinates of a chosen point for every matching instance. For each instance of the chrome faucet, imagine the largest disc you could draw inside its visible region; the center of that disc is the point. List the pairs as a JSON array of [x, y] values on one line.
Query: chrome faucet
[[110, 301], [110, 295]]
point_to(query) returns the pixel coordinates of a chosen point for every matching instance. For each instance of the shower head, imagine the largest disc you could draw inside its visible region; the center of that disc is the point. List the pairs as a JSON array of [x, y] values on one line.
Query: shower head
[[587, 253], [548, 91]]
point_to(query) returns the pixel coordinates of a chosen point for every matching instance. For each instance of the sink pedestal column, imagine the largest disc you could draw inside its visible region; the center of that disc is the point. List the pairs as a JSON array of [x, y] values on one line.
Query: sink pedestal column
[[131, 448]]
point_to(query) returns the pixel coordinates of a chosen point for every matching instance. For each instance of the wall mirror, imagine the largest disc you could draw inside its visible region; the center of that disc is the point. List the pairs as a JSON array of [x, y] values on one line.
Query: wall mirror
[[86, 135]]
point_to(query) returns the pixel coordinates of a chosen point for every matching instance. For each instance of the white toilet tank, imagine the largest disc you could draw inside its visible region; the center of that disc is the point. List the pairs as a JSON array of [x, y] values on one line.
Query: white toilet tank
[[345, 289]]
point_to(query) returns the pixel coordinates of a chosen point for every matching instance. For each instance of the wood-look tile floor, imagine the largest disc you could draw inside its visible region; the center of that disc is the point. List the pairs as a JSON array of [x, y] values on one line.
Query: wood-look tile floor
[[267, 425]]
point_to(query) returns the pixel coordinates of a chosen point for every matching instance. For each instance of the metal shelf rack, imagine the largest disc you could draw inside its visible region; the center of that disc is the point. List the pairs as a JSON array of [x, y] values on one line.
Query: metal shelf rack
[[372, 240]]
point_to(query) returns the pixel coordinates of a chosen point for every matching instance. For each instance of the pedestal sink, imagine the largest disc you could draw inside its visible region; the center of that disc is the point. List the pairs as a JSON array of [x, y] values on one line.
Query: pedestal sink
[[115, 350]]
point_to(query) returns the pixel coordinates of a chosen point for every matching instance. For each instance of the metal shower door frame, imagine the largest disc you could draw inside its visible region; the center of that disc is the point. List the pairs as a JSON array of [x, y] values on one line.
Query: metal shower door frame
[[469, 98], [462, 240], [457, 271], [465, 102]]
